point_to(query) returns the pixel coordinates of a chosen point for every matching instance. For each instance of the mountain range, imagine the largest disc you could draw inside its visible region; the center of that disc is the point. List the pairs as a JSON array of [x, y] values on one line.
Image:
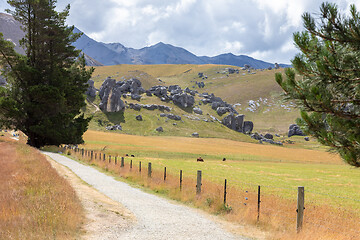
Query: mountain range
[[98, 53]]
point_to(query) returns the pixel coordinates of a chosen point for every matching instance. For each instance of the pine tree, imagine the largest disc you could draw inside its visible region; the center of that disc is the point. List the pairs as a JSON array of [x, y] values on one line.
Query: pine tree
[[46, 86], [326, 81]]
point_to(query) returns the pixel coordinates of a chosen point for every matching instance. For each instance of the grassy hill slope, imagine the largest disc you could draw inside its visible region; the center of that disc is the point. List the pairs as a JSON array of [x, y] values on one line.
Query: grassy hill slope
[[270, 114]]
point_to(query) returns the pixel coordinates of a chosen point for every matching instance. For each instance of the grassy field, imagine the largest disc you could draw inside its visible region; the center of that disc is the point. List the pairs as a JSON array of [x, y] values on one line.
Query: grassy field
[[332, 188], [247, 163], [273, 116], [35, 202]]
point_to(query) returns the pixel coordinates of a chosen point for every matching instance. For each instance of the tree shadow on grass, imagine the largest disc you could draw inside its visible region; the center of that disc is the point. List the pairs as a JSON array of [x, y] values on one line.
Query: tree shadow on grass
[[115, 117]]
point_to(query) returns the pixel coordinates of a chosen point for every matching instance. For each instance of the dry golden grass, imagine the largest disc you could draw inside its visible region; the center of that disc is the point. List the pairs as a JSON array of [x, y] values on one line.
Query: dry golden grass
[[277, 215], [115, 141], [35, 202]]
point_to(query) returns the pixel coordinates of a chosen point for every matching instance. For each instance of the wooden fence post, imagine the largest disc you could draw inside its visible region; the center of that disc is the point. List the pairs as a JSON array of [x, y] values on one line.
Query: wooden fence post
[[82, 152], [258, 216], [122, 162], [95, 156], [300, 208], [130, 164], [115, 160], [104, 157], [225, 192], [164, 174], [149, 170], [91, 154], [180, 179], [139, 166], [198, 183], [109, 158]]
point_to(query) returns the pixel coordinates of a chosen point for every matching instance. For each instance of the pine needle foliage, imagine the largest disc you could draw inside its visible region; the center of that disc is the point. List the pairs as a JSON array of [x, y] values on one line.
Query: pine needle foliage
[[325, 81], [46, 86]]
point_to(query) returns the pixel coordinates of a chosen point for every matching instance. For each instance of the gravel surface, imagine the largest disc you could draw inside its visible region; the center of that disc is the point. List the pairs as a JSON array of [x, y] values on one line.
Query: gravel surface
[[156, 218]]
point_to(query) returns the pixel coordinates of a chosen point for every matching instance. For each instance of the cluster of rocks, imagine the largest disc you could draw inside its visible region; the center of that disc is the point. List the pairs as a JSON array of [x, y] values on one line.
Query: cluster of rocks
[[237, 123], [195, 134], [197, 110], [177, 95], [201, 75], [294, 129], [111, 92], [217, 104], [171, 116], [114, 127], [138, 107], [232, 71], [200, 84], [269, 138]]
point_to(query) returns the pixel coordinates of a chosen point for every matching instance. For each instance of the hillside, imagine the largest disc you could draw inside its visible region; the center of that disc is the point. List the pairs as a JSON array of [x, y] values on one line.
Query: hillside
[[254, 94]]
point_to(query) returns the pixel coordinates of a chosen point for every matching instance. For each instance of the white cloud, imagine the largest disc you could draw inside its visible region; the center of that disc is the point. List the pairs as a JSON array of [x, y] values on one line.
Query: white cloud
[[259, 28]]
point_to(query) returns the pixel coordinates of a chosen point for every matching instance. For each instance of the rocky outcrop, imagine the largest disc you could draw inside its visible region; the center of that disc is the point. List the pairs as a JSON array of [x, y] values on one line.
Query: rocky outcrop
[[110, 96], [111, 92], [269, 136], [232, 70], [195, 134], [198, 111], [248, 127], [177, 95], [191, 92], [183, 100], [294, 129], [139, 118], [217, 104], [138, 107], [171, 116], [159, 129], [222, 110], [115, 127], [234, 122], [263, 139]]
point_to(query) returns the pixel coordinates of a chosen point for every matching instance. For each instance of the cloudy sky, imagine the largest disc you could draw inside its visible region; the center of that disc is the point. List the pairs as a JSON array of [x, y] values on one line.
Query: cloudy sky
[[258, 28]]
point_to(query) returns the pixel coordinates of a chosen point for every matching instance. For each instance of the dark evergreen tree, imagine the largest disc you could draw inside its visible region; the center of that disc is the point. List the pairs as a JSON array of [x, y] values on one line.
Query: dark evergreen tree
[[326, 81], [46, 86]]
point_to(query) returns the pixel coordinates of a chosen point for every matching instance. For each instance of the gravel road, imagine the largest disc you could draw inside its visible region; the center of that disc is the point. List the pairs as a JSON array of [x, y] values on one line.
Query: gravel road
[[156, 218]]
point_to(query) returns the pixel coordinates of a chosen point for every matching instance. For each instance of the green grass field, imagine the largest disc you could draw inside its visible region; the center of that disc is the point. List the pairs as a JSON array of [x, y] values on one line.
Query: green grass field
[[280, 170]]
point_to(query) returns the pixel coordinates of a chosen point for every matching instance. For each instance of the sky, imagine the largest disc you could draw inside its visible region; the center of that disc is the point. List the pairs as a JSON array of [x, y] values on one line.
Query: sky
[[261, 29]]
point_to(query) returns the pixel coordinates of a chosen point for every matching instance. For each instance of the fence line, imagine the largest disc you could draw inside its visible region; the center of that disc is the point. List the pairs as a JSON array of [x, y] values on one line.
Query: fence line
[[301, 200]]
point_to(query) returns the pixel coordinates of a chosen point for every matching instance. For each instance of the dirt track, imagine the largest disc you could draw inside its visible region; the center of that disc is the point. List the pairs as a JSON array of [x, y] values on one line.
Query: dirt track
[[128, 213]]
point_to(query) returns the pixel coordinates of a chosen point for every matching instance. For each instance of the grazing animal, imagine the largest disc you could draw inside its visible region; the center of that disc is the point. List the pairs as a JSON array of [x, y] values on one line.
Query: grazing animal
[[224, 159], [199, 159], [132, 155], [126, 155]]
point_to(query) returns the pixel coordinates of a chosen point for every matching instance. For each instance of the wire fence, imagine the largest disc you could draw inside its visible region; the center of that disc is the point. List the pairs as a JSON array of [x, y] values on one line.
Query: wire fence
[[241, 201]]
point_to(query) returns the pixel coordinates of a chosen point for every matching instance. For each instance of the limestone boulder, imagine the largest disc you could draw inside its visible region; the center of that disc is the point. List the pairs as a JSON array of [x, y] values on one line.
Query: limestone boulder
[[234, 122], [294, 129], [248, 127]]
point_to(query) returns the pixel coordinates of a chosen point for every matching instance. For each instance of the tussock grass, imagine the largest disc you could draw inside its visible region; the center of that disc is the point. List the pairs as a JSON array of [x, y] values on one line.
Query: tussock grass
[[35, 202]]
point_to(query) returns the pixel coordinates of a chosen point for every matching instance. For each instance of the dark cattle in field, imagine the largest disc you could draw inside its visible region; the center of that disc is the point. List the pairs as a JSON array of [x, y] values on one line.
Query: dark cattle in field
[[224, 159], [199, 159], [132, 155], [126, 155]]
